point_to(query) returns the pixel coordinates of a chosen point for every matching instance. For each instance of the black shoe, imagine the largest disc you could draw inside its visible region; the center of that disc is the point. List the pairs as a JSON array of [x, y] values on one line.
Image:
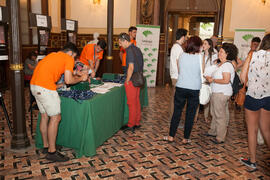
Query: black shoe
[[56, 157], [217, 142], [124, 127], [45, 150], [132, 129], [137, 126], [248, 163], [209, 135]]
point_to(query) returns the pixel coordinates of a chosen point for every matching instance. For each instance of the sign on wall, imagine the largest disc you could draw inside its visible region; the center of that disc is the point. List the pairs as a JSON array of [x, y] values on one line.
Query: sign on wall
[[148, 41], [242, 39]]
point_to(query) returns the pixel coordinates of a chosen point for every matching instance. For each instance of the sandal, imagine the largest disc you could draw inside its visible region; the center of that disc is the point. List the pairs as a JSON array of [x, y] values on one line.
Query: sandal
[[186, 141], [166, 138]]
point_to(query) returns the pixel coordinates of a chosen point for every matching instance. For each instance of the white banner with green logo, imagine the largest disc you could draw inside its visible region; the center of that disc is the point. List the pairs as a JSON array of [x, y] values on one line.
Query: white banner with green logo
[[242, 39], [148, 41]]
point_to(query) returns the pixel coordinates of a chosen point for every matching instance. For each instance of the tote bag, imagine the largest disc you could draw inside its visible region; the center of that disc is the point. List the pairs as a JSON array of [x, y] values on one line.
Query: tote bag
[[205, 91]]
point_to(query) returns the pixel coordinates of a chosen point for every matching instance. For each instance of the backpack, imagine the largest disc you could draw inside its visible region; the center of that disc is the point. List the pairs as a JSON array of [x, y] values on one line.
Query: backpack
[[236, 84]]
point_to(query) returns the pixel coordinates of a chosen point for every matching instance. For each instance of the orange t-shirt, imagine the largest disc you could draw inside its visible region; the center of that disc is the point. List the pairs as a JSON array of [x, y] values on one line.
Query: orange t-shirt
[[88, 54], [50, 69], [124, 56]]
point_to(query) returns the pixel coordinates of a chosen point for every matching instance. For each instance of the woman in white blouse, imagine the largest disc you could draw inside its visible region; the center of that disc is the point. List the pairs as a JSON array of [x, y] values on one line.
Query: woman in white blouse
[[209, 57], [220, 82], [257, 102]]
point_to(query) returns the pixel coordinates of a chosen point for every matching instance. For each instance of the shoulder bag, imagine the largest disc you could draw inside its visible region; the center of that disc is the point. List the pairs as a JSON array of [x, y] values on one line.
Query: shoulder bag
[[241, 95], [137, 78]]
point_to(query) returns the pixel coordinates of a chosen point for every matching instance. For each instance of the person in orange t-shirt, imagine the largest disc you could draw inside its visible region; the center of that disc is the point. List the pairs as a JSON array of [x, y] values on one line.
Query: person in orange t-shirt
[[132, 31], [43, 86], [92, 54]]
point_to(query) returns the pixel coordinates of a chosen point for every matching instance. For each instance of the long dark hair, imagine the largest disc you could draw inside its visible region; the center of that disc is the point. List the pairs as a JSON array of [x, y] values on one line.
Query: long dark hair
[[210, 50], [265, 44]]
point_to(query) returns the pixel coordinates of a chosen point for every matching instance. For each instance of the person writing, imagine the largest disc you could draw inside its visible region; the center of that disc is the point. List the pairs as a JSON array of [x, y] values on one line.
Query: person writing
[[43, 86], [91, 56]]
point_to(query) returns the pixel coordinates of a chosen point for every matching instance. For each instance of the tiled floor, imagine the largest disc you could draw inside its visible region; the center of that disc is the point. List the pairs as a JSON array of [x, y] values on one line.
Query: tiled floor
[[142, 155]]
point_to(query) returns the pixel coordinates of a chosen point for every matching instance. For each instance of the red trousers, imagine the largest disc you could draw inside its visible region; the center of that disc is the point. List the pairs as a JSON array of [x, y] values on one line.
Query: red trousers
[[133, 102]]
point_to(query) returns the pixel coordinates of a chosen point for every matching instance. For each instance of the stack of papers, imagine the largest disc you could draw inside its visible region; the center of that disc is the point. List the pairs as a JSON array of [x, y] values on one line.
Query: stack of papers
[[105, 87]]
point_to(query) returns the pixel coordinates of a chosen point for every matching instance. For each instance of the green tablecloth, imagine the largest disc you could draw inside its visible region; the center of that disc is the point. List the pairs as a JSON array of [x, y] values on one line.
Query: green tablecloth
[[86, 126]]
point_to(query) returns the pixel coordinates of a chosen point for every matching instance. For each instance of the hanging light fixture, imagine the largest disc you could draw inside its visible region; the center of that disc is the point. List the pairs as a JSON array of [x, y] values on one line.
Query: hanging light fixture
[[96, 1], [263, 1]]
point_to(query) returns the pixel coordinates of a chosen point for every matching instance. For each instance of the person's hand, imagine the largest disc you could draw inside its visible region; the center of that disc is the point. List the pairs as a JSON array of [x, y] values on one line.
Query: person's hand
[[84, 77], [209, 79], [98, 78], [80, 73], [93, 74], [126, 82]]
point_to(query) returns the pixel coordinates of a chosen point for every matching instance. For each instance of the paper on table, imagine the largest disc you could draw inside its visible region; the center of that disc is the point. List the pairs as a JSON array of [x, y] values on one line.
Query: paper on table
[[105, 87]]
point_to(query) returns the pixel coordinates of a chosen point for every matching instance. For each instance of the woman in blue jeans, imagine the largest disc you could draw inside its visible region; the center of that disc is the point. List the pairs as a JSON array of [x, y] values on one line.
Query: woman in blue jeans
[[187, 88]]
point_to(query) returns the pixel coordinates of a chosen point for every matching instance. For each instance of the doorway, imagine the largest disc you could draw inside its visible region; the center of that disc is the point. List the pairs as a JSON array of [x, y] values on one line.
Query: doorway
[[199, 24]]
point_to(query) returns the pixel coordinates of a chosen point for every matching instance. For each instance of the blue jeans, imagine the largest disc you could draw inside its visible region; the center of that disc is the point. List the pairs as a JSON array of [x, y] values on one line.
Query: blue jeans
[[180, 98]]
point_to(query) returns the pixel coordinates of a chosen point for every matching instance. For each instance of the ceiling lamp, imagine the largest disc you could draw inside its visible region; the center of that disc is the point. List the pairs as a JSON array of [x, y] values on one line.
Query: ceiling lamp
[[263, 1], [96, 1]]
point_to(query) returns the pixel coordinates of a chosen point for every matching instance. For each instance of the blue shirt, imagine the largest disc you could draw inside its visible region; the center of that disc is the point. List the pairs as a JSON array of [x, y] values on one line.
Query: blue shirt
[[189, 72]]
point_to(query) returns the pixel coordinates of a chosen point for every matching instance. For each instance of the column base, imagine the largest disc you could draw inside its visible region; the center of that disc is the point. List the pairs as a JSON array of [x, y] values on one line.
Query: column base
[[20, 141]]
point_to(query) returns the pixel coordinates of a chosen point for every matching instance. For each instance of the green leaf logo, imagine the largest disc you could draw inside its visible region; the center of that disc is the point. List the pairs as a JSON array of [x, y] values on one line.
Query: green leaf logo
[[153, 71], [144, 70], [146, 33], [154, 60], [146, 49], [154, 49], [145, 59], [152, 81], [247, 37], [149, 65], [148, 76], [150, 54]]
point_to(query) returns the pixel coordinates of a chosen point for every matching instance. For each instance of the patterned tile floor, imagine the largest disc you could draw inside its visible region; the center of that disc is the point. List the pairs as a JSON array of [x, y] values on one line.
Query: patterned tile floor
[[142, 155]]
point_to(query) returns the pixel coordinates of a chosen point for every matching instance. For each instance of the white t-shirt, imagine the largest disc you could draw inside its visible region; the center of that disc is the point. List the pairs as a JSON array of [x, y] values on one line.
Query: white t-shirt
[[226, 89], [176, 52], [209, 62]]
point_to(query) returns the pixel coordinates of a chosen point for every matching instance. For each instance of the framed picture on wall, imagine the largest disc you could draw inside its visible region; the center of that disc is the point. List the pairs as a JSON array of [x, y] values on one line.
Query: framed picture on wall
[[72, 37], [2, 36], [43, 37]]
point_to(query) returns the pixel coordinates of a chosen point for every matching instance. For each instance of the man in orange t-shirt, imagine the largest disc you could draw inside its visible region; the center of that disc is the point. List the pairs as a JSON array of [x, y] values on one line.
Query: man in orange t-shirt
[[92, 54], [43, 86], [132, 31]]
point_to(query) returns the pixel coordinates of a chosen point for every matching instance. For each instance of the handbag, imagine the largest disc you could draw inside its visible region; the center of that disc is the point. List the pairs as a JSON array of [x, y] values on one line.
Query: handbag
[[205, 91], [241, 95], [137, 78]]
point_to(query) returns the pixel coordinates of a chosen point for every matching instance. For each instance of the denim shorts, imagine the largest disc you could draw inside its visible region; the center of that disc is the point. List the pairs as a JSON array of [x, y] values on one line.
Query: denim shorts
[[253, 104]]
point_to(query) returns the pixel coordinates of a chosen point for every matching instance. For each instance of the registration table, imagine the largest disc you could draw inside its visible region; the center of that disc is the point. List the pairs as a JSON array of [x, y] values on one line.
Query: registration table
[[87, 125]]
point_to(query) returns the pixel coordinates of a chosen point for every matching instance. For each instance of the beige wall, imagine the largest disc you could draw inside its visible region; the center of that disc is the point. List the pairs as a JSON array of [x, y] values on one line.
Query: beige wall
[[54, 12], [93, 18], [246, 14]]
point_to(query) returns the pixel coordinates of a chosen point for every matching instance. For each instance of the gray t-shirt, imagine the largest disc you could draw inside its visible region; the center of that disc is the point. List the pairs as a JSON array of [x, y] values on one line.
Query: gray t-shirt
[[133, 51], [28, 71]]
